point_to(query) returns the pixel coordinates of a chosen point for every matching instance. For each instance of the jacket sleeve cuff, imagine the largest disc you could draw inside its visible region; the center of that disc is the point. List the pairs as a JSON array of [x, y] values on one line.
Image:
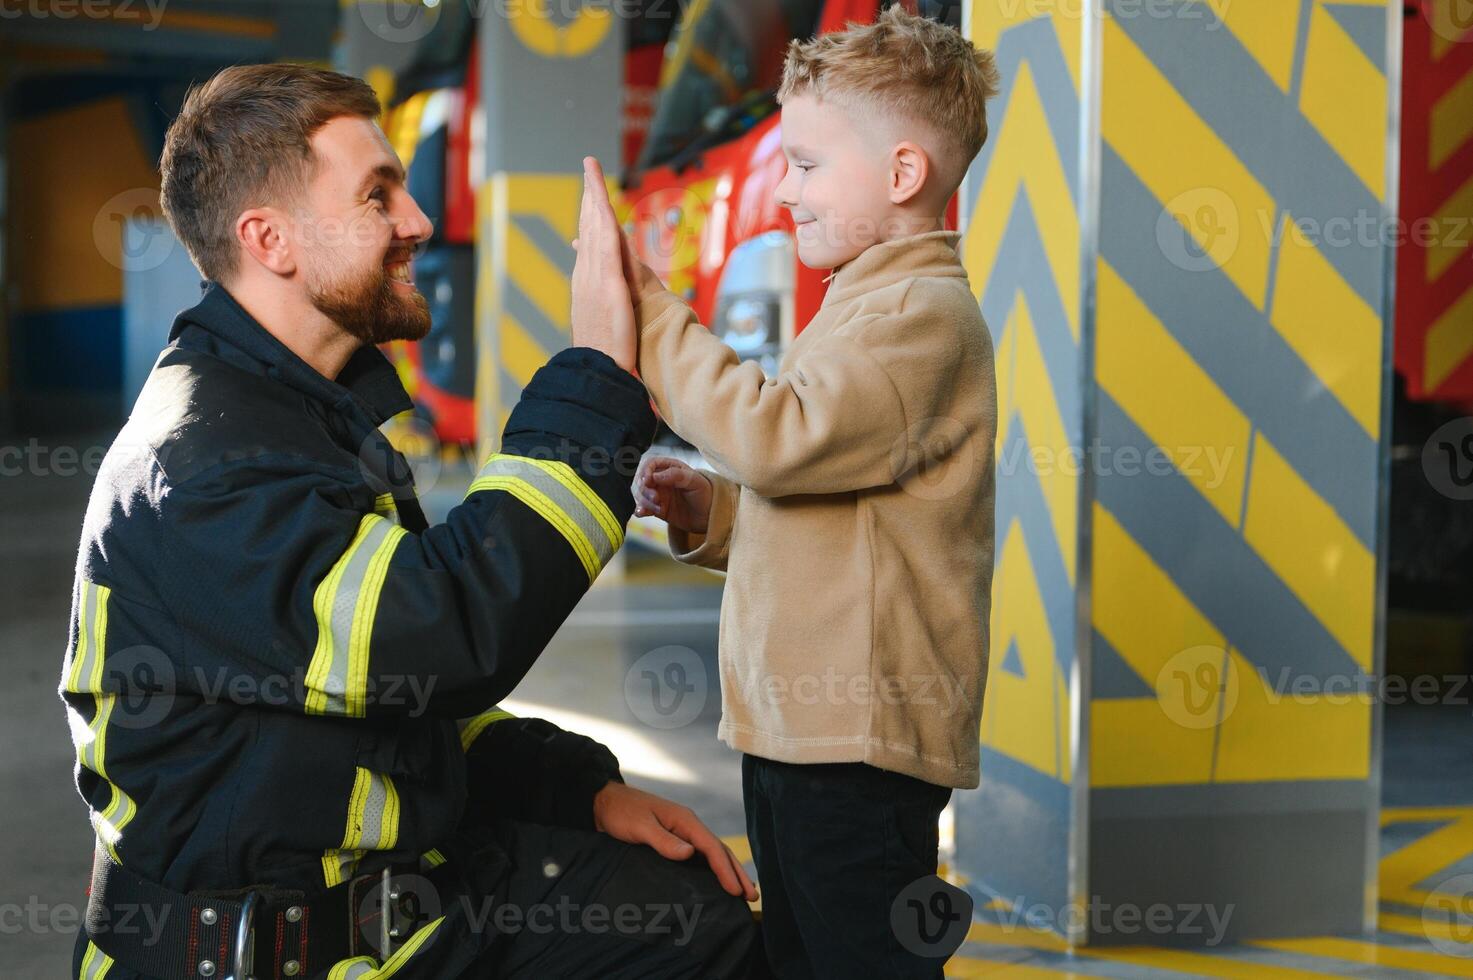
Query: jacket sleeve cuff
[[583, 397], [709, 550]]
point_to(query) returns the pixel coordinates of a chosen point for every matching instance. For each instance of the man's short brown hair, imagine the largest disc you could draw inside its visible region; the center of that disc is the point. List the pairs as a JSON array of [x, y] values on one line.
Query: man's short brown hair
[[902, 65], [243, 140]]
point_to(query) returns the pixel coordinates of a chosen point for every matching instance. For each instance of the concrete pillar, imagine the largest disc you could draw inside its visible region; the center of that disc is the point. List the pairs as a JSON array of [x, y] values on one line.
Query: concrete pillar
[[1175, 234], [551, 78]]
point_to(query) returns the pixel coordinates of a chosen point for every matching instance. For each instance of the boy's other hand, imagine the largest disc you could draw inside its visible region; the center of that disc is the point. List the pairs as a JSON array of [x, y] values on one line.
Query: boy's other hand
[[603, 310], [674, 492]]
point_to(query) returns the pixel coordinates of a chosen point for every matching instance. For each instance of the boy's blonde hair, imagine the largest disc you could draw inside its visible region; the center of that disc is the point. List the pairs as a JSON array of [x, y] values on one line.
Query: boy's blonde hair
[[905, 65]]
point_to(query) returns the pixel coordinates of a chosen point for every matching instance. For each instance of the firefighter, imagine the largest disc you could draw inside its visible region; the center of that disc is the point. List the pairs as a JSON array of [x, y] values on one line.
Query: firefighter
[[282, 683]]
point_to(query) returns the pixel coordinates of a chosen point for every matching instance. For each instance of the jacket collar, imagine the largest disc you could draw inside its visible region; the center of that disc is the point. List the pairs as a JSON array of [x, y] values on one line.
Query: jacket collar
[[932, 253], [219, 325]]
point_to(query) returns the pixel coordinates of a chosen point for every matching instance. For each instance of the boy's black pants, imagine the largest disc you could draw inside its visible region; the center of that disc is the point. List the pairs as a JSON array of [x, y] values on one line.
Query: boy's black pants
[[835, 844]]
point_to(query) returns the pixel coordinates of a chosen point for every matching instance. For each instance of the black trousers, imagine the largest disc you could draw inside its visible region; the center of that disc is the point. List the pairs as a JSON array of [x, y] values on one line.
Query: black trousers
[[534, 902], [835, 846]]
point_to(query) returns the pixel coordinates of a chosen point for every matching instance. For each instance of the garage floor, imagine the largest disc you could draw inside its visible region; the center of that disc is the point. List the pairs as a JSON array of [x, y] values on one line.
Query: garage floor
[[646, 617]]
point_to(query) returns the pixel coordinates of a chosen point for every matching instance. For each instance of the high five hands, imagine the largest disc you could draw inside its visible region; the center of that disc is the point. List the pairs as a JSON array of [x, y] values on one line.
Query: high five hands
[[607, 277]]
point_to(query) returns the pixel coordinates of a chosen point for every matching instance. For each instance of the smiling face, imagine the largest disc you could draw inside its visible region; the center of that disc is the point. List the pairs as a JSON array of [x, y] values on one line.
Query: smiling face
[[360, 233], [837, 181]]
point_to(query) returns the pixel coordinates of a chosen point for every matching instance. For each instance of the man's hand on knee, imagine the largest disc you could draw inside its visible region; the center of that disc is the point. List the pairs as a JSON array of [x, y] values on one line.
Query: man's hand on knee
[[674, 831]]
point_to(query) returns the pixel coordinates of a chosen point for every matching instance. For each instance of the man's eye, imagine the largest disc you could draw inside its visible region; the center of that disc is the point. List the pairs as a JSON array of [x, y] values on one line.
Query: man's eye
[[379, 195]]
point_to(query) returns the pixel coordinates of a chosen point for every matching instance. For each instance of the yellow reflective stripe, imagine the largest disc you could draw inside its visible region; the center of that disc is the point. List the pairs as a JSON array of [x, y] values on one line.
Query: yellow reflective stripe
[[85, 677], [403, 953], [358, 968], [345, 604], [95, 963], [470, 728], [549, 512], [434, 858], [108, 825], [373, 812], [558, 480], [338, 865]]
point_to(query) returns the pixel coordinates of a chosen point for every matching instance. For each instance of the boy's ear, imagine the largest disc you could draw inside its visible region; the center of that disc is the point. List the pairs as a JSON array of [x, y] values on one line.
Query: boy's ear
[[910, 169]]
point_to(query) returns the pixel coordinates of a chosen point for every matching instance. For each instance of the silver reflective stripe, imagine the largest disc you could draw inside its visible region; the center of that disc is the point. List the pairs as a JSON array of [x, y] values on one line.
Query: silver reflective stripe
[[592, 530], [340, 615], [88, 646], [373, 812], [95, 963]]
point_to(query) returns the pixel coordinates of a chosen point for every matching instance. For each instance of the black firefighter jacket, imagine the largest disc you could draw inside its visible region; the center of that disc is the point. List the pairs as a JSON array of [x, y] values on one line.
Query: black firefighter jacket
[[276, 671]]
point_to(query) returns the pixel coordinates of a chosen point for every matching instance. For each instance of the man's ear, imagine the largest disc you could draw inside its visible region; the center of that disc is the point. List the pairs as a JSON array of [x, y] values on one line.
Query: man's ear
[[910, 169], [262, 233]]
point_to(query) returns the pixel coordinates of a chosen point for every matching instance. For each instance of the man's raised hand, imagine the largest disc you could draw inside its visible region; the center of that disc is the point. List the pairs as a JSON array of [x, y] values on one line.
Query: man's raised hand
[[603, 311]]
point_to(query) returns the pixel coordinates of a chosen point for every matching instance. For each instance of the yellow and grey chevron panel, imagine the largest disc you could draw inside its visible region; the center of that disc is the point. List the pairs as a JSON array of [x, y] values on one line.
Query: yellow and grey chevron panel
[[345, 604], [1021, 207], [1191, 371], [1239, 342], [561, 498], [526, 224]]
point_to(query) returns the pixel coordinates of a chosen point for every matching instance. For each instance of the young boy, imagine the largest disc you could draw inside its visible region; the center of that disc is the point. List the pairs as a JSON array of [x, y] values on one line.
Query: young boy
[[852, 500]]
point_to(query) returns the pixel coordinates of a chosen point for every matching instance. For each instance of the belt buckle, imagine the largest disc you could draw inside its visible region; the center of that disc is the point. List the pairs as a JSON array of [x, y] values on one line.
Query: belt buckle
[[243, 954]]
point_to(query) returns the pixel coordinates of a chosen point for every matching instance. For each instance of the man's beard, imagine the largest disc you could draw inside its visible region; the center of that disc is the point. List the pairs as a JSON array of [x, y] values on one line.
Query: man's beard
[[369, 308]]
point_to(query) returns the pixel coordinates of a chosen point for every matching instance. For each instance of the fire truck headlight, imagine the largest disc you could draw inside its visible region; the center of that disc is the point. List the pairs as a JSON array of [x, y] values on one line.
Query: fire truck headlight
[[754, 302], [750, 323]]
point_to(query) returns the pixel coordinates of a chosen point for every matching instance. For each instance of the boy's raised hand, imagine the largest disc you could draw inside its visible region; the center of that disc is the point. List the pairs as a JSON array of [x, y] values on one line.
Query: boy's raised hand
[[603, 310], [674, 492]]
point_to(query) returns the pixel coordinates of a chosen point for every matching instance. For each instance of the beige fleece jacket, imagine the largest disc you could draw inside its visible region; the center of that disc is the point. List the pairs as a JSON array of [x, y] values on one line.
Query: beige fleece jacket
[[853, 514]]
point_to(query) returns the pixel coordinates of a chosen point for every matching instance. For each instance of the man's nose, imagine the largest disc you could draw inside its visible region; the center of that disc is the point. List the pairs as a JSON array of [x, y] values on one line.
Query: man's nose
[[414, 224]]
